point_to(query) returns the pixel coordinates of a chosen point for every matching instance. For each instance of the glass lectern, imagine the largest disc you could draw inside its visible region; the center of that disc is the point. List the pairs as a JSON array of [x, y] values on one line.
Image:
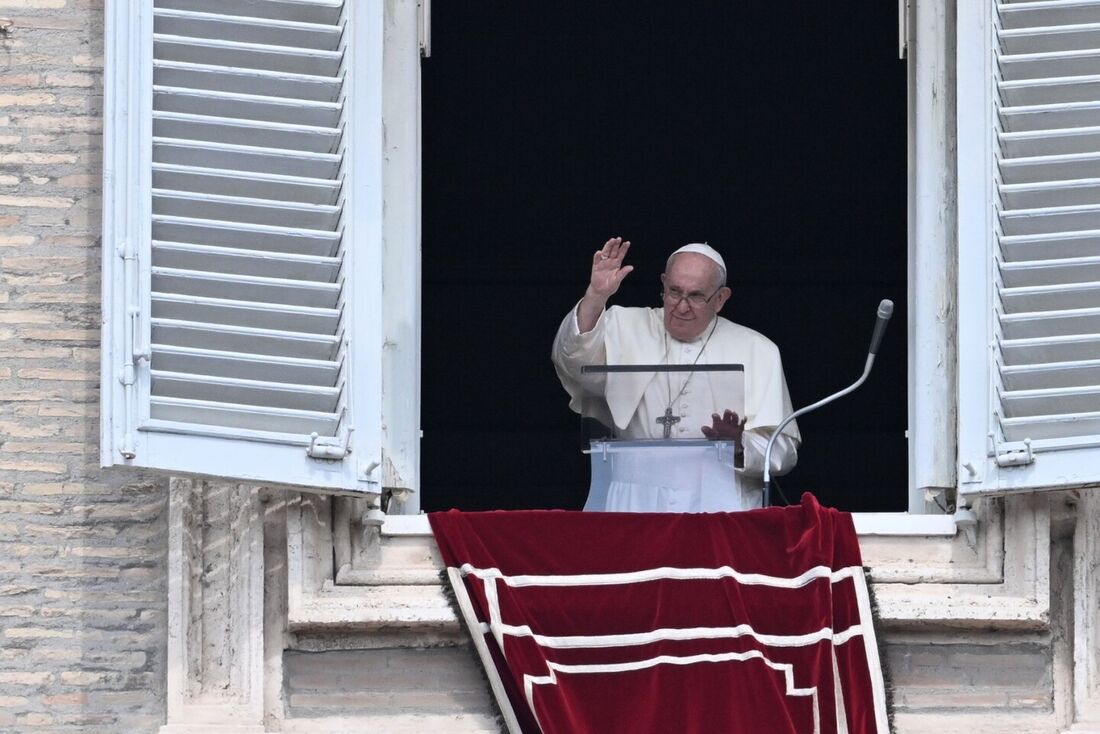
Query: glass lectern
[[645, 449]]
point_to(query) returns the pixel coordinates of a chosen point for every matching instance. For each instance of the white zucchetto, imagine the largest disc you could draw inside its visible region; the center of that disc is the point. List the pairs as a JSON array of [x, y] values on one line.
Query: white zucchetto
[[702, 249]]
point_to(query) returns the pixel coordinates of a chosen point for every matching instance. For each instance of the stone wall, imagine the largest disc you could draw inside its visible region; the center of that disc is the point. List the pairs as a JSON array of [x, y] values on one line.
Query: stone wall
[[988, 672], [389, 689], [82, 552]]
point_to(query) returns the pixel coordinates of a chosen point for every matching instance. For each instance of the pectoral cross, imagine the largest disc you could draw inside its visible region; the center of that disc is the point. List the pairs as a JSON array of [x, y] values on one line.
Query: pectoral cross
[[668, 420]]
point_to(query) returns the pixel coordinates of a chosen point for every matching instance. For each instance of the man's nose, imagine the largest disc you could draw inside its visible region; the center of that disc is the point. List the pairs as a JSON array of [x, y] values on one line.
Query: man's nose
[[683, 307]]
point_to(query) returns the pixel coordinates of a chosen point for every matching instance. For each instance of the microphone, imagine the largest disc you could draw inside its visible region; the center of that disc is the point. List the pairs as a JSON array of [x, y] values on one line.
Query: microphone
[[885, 311]]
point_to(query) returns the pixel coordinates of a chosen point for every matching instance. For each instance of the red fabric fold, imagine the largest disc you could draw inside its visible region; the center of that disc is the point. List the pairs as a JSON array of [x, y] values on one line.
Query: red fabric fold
[[622, 622]]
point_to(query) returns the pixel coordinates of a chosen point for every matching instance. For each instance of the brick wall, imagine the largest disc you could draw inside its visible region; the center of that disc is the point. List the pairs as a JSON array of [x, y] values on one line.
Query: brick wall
[[82, 552]]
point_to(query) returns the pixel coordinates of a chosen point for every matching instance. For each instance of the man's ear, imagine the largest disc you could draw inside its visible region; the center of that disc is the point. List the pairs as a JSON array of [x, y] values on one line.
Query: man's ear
[[723, 295]]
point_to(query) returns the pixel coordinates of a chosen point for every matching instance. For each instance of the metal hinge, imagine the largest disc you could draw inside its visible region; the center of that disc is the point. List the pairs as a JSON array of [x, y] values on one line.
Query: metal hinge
[[133, 351]]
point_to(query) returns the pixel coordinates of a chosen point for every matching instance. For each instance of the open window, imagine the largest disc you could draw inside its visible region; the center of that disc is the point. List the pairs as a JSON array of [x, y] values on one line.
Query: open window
[[549, 129], [242, 263]]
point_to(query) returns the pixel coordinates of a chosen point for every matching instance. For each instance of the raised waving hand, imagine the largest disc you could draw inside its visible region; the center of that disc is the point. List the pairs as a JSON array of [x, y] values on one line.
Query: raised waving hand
[[608, 273], [608, 270]]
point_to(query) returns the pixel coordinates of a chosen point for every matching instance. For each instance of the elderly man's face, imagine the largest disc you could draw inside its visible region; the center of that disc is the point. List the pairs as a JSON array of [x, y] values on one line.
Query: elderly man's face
[[693, 295]]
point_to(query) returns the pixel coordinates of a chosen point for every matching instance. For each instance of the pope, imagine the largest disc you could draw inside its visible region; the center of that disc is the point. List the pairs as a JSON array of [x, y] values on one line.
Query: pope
[[687, 331]]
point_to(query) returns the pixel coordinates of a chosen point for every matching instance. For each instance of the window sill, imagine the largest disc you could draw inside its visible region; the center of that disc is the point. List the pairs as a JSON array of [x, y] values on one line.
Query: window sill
[[867, 523], [903, 524]]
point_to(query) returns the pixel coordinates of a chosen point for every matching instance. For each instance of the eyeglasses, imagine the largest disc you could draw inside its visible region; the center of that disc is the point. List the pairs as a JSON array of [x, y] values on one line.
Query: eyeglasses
[[695, 299]]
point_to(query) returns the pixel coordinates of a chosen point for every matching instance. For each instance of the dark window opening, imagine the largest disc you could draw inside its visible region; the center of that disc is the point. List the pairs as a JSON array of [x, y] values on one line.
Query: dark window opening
[[774, 131]]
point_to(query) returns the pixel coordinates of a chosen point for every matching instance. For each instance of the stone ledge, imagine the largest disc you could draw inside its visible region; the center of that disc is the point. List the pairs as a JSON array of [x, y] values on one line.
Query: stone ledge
[[427, 607], [395, 724], [904, 607], [211, 729], [373, 607], [986, 723]]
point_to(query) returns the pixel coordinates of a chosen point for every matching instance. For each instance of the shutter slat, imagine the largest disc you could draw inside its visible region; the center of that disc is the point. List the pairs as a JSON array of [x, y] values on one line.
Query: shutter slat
[[215, 52], [1050, 168], [185, 256], [1067, 348], [232, 105], [245, 313], [304, 11], [245, 392], [266, 368], [1058, 426], [254, 417], [245, 158], [1053, 116], [1051, 272], [245, 81], [246, 287], [253, 29], [1050, 298], [1050, 13], [245, 236], [1051, 401], [225, 338], [1051, 219], [1053, 374], [1051, 38], [246, 184], [1057, 244], [243, 210], [1049, 65], [1049, 91], [1046, 194], [1037, 325], [1051, 142], [245, 132]]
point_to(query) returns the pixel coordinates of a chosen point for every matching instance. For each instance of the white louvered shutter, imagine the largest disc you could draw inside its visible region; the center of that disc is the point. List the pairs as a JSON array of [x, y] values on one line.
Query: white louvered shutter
[[242, 239], [1029, 244]]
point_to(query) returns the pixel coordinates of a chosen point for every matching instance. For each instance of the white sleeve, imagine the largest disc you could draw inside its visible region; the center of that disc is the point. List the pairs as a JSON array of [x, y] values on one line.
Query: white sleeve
[[784, 452], [573, 349]]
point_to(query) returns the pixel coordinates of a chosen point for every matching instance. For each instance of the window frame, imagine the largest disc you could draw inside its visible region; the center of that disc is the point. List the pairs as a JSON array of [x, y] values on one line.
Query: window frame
[[931, 248], [931, 256]]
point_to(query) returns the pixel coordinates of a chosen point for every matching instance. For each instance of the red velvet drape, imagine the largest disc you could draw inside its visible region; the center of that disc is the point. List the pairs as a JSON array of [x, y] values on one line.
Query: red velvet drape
[[612, 622]]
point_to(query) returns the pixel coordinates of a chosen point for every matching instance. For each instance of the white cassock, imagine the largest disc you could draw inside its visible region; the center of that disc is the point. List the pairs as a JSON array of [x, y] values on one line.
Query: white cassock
[[675, 480]]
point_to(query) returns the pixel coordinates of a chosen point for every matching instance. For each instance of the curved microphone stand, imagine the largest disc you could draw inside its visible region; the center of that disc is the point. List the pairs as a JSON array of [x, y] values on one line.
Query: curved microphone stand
[[885, 311]]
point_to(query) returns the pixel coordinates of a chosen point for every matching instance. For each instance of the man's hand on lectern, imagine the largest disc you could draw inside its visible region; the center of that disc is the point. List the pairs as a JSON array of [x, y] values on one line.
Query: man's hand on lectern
[[729, 426]]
